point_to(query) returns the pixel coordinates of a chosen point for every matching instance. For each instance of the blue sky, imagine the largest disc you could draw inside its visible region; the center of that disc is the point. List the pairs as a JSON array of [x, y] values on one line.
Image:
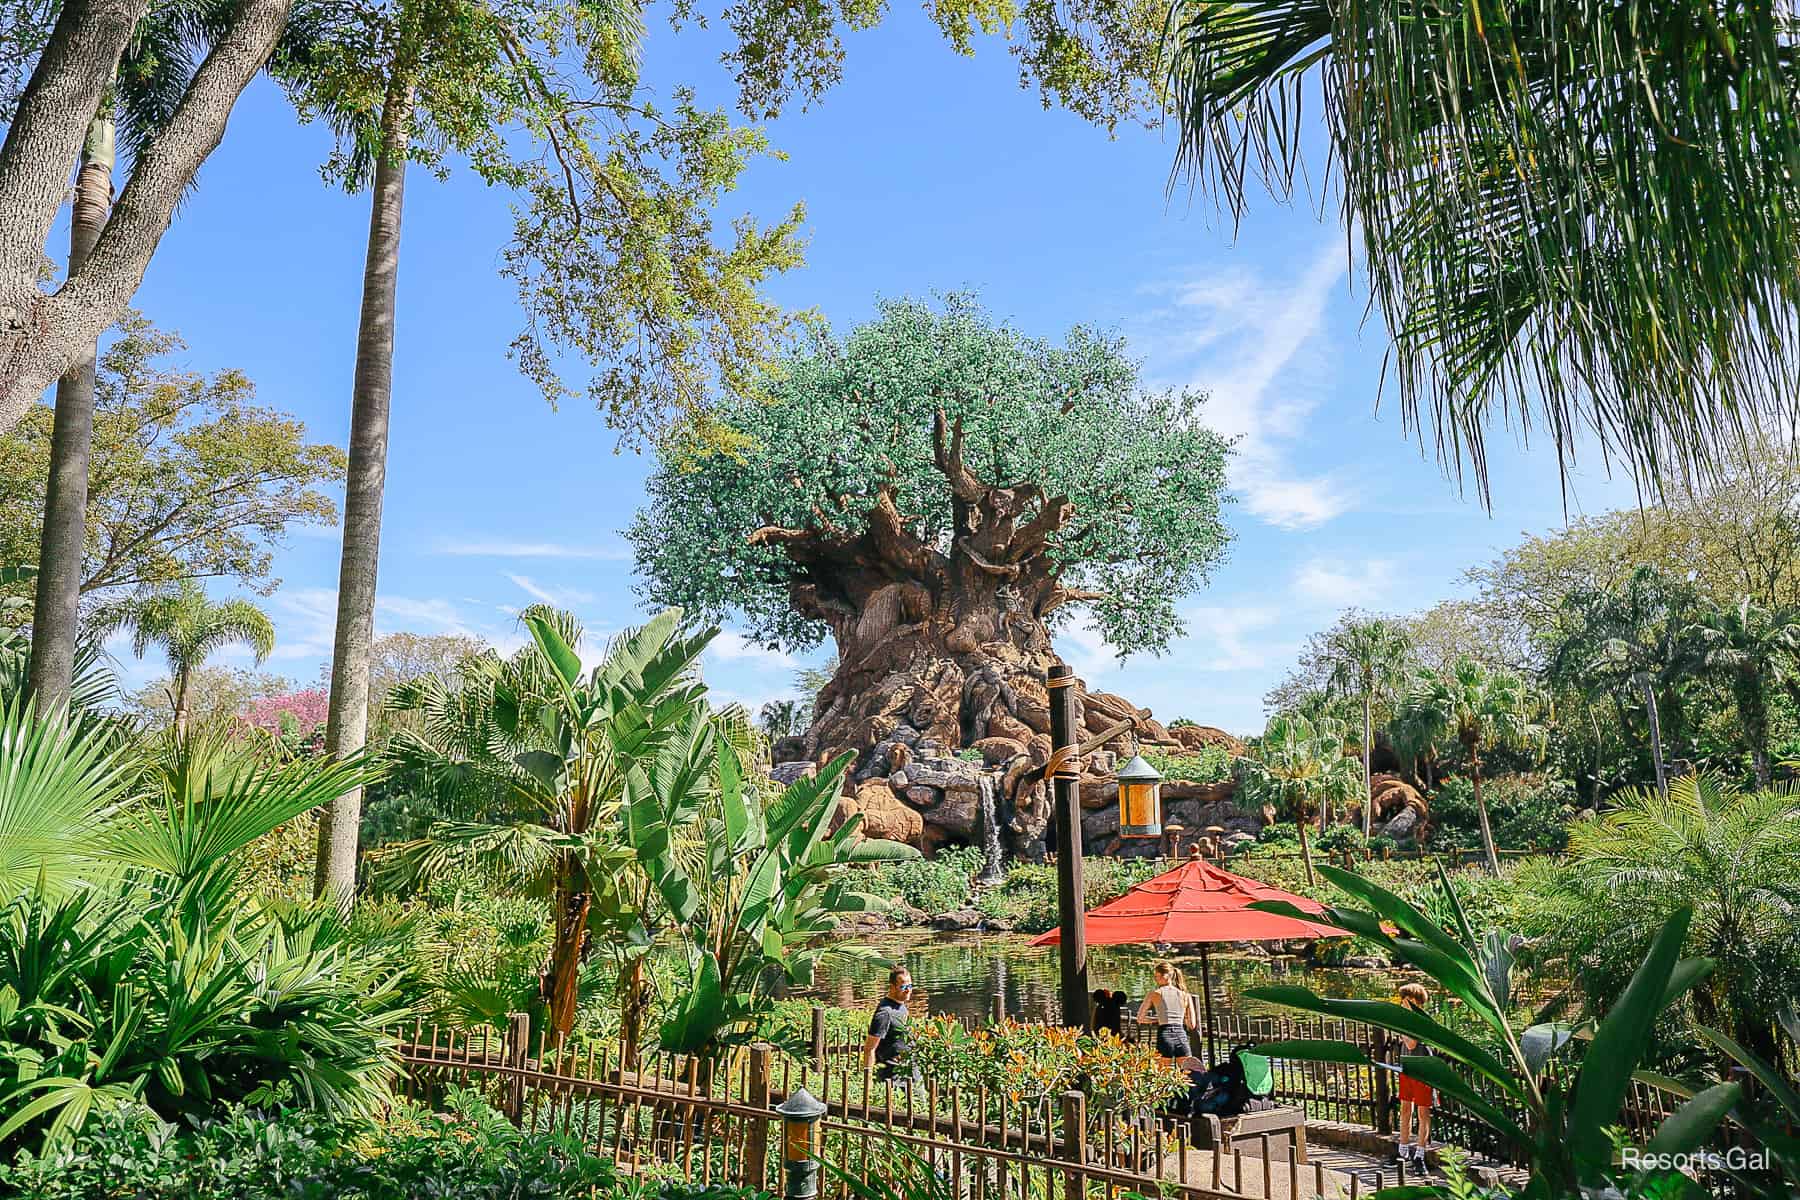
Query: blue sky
[[922, 172]]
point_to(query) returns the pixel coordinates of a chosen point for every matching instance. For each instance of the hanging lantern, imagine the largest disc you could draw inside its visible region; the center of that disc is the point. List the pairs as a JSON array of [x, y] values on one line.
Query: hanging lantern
[[1140, 800]]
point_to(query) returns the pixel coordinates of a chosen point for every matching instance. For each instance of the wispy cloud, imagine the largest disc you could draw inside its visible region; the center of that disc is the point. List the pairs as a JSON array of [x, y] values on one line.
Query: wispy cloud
[[502, 548], [559, 597], [1331, 585], [1246, 340], [731, 647]]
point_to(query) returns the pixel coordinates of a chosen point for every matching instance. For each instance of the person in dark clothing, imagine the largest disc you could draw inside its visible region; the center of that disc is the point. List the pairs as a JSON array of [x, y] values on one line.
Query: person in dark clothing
[[886, 1044], [1109, 1012]]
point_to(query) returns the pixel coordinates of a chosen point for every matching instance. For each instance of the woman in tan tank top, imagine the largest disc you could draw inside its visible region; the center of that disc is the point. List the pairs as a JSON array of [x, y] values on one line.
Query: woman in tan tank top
[[1167, 1007]]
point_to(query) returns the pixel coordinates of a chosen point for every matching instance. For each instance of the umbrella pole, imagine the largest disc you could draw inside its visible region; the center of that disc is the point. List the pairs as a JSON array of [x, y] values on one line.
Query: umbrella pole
[[1212, 1052]]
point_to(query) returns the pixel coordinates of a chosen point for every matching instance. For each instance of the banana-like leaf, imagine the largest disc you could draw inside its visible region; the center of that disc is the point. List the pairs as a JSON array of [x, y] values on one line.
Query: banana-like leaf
[[1540, 1042], [560, 655], [1395, 1018], [1619, 1045], [1765, 1074], [1314, 1050], [1688, 1127]]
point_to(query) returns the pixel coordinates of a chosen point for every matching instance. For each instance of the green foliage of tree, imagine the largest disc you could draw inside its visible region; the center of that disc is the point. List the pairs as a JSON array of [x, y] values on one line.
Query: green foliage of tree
[[1115, 494], [214, 694], [1569, 219], [189, 627], [1731, 857], [1748, 647], [1481, 710], [1298, 770], [190, 478], [1370, 660]]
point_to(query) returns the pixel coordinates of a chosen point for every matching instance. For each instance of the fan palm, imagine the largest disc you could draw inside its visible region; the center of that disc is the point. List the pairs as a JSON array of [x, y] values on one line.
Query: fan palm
[[1732, 857], [1748, 647], [1369, 661], [189, 627], [1584, 216], [1299, 769], [1481, 709]]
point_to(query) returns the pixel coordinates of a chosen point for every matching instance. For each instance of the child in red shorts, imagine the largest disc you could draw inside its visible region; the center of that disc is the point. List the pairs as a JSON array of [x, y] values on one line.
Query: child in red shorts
[[1416, 1096]]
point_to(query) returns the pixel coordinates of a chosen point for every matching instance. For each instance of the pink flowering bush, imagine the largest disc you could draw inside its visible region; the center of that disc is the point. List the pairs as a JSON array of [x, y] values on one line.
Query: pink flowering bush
[[292, 719]]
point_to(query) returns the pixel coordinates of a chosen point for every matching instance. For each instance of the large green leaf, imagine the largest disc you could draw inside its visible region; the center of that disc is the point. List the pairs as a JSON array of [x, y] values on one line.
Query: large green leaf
[[1765, 1074], [58, 792], [560, 655], [1618, 1046], [1689, 1127], [1395, 1018], [1314, 1050], [1438, 1073], [699, 1013]]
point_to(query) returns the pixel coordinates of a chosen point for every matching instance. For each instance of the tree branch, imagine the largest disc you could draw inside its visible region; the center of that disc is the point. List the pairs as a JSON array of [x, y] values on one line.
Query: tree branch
[[947, 453]]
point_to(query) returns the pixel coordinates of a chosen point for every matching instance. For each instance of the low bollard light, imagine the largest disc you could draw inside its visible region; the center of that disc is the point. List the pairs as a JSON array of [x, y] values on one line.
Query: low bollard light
[[800, 1115]]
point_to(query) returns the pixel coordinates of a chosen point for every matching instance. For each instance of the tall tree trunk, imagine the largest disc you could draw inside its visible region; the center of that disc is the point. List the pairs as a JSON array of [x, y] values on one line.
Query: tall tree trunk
[[1487, 831], [56, 615], [1656, 746], [347, 716], [1368, 805], [562, 983], [179, 700]]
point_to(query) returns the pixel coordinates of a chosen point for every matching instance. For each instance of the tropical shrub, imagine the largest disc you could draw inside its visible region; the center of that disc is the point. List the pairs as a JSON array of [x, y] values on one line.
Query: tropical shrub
[[1210, 764], [467, 1152], [1025, 898], [1283, 833], [1339, 838], [932, 885], [158, 985], [1025, 1062], [1525, 810], [1562, 1119], [1729, 857]]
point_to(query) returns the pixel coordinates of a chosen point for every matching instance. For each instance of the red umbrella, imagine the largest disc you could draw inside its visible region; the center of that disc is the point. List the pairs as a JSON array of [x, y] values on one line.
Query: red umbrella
[[1197, 902]]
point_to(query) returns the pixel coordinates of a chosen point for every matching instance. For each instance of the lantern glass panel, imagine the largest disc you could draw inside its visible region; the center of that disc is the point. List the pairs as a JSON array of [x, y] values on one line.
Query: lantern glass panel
[[801, 1140]]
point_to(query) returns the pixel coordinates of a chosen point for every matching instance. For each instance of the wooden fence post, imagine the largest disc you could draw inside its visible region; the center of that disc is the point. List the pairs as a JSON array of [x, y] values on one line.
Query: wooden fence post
[[1074, 1144], [518, 1053], [1381, 1121], [999, 1007], [756, 1136], [818, 1034]]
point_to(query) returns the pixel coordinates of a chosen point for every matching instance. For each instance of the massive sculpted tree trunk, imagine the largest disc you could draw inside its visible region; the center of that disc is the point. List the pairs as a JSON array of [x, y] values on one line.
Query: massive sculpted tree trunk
[[948, 640]]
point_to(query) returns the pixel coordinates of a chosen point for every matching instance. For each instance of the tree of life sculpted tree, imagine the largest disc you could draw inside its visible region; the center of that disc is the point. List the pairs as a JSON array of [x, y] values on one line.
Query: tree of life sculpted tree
[[939, 493]]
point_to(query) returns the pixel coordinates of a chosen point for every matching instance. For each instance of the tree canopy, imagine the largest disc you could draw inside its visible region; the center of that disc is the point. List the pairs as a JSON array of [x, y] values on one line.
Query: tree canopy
[[191, 478], [932, 439]]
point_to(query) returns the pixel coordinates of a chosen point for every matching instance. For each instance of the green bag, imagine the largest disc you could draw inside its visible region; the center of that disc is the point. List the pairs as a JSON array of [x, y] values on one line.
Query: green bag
[[1259, 1074]]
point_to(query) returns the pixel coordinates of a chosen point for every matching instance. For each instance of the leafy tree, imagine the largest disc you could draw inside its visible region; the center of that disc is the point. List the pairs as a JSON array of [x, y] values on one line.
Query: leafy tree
[[1369, 660], [189, 477], [1747, 646], [1610, 254], [214, 694], [1733, 858], [1481, 709], [1632, 638], [190, 628], [783, 718], [933, 488], [1298, 770]]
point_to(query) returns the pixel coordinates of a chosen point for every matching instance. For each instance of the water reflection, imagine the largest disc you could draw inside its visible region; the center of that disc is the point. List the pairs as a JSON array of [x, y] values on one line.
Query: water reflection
[[960, 973]]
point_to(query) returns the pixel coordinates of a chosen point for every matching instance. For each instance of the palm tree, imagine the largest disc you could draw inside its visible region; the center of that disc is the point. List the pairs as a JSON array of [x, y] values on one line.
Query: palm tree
[[1298, 768], [1574, 217], [1482, 709], [1369, 660], [190, 628], [1633, 637], [1749, 647], [1732, 857], [534, 756]]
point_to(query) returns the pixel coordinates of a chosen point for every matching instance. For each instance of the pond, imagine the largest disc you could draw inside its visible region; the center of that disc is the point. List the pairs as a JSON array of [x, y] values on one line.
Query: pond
[[959, 974]]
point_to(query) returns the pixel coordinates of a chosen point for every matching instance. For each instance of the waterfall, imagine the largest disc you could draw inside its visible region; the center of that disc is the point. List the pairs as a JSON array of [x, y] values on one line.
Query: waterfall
[[992, 853]]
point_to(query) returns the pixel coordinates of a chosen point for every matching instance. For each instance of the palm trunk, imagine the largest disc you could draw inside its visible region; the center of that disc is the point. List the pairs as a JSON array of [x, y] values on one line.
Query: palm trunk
[[347, 717], [1487, 832], [634, 1004], [1368, 806], [1656, 748], [56, 613], [179, 701], [571, 915]]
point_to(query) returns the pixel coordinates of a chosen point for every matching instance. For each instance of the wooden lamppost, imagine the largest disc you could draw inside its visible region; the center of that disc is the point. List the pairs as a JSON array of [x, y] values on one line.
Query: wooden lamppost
[[1064, 774]]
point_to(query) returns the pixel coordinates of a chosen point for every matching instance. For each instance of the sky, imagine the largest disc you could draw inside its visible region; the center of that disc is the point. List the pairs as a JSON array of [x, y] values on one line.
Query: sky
[[922, 172]]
